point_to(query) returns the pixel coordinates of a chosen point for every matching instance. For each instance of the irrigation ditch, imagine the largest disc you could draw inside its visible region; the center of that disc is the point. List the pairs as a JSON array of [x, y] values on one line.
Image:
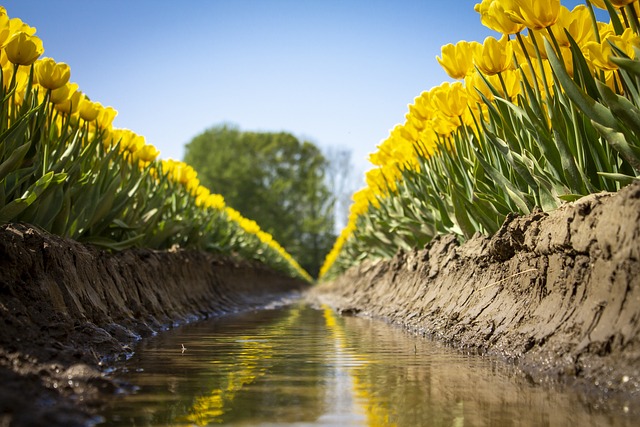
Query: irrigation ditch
[[556, 293]]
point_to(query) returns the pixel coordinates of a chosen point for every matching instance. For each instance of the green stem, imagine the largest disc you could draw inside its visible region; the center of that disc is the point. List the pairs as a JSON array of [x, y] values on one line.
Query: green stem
[[528, 59], [504, 87], [594, 21], [633, 17], [541, 62]]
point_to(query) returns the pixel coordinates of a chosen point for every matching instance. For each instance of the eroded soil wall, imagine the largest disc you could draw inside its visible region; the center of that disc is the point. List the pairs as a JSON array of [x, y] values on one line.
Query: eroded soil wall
[[558, 293], [68, 309]]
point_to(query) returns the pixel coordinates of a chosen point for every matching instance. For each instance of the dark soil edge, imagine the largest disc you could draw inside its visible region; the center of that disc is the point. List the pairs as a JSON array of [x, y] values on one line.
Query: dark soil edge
[[557, 293], [68, 311]]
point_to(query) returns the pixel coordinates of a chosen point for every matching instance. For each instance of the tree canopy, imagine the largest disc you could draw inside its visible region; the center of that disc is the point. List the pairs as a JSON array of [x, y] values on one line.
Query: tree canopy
[[273, 179]]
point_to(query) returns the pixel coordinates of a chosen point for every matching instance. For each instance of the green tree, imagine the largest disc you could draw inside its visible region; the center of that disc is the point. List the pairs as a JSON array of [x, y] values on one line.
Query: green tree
[[273, 179]]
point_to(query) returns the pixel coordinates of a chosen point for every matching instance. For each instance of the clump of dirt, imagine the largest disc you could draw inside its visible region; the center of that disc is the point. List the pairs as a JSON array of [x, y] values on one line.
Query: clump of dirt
[[557, 293], [68, 310]]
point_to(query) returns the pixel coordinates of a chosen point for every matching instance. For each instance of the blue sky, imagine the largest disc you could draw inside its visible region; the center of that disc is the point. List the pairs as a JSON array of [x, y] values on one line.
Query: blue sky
[[337, 73]]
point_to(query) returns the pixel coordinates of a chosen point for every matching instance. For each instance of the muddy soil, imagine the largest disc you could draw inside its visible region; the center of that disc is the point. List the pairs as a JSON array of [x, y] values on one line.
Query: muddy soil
[[557, 293], [69, 311]]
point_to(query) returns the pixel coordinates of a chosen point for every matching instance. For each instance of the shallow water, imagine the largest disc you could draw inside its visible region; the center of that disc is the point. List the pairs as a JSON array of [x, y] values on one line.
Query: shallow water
[[302, 366]]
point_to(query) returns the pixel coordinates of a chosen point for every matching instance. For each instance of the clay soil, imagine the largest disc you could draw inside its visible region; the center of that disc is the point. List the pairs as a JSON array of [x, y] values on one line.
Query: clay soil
[[558, 294], [69, 311]]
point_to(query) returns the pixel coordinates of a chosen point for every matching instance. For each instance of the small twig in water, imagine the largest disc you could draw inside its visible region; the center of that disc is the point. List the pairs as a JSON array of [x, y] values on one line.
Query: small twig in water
[[183, 347], [506, 278]]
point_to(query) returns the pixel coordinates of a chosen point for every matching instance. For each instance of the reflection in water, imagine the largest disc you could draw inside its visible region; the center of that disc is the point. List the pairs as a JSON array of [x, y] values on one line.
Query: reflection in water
[[302, 366]]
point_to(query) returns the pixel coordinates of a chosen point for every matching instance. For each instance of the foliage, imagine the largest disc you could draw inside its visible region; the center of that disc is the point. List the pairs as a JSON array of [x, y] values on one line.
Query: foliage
[[64, 168], [272, 178], [544, 115]]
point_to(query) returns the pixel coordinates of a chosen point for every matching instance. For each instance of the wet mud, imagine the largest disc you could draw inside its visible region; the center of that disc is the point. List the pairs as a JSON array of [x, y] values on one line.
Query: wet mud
[[70, 311], [556, 293]]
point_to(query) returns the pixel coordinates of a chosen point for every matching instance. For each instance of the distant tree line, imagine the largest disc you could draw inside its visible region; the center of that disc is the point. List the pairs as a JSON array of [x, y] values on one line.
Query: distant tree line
[[278, 181]]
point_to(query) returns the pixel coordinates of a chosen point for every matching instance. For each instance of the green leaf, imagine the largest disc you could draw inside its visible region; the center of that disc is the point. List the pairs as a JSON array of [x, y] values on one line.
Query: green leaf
[[596, 111], [461, 213], [618, 141], [630, 65], [571, 197], [621, 107], [619, 177], [14, 161], [108, 243], [14, 208]]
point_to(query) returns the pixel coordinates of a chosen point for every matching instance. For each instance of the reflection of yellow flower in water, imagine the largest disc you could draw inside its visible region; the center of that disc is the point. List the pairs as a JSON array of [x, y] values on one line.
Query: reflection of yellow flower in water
[[247, 366], [377, 415]]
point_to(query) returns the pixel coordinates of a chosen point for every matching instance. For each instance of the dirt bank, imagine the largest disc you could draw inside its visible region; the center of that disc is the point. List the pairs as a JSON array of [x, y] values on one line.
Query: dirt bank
[[67, 310], [558, 293]]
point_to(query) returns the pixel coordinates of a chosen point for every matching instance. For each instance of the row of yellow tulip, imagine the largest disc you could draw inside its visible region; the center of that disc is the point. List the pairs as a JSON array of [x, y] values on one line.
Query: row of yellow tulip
[[64, 167], [512, 132]]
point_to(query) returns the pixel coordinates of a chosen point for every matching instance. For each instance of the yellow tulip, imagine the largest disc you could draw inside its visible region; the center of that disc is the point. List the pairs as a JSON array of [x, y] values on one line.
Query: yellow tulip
[[577, 23], [51, 75], [5, 27], [23, 49], [146, 153], [493, 16], [106, 116], [444, 125], [71, 104], [422, 106], [599, 54], [63, 93], [16, 25], [132, 142], [477, 88], [457, 60], [88, 109], [535, 14], [494, 56], [216, 201], [450, 99]]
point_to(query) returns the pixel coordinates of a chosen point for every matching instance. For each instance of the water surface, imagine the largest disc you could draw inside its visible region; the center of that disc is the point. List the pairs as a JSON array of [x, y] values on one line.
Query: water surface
[[302, 366]]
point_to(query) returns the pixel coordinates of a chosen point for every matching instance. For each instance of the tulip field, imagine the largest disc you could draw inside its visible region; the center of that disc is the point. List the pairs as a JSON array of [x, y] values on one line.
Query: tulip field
[[64, 168], [545, 112]]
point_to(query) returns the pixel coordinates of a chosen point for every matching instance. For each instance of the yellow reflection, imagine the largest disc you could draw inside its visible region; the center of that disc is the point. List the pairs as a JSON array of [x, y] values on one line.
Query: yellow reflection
[[375, 412], [249, 365]]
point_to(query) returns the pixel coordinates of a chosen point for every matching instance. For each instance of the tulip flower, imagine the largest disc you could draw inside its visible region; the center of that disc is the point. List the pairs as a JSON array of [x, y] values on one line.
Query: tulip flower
[[494, 56], [146, 153], [51, 75], [577, 22], [106, 116], [5, 27], [23, 49], [216, 201], [16, 25], [535, 14], [88, 109], [71, 104], [457, 60], [63, 93], [493, 16], [599, 54], [450, 98]]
